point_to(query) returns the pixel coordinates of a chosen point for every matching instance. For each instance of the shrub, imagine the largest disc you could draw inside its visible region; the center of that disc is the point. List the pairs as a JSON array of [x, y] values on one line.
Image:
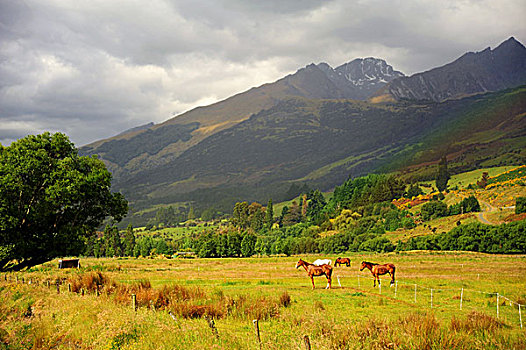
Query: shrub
[[520, 205], [434, 209], [284, 299], [476, 322]]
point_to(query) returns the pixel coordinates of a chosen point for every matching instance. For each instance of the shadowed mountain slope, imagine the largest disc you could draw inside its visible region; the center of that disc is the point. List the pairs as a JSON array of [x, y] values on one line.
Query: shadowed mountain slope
[[322, 142], [146, 148]]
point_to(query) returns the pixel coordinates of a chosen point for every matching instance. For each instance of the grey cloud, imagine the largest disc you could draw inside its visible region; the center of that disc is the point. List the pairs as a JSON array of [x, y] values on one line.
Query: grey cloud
[[95, 68]]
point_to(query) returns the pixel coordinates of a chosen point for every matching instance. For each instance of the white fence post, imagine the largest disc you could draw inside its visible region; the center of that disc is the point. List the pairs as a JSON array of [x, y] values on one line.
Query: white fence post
[[338, 277], [396, 286], [461, 295], [520, 315], [497, 305]]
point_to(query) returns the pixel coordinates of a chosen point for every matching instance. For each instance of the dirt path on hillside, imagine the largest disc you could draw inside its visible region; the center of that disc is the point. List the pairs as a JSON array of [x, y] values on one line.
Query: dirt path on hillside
[[486, 208]]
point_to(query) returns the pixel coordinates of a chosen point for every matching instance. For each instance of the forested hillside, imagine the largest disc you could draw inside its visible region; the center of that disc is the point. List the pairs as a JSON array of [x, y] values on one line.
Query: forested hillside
[[320, 143]]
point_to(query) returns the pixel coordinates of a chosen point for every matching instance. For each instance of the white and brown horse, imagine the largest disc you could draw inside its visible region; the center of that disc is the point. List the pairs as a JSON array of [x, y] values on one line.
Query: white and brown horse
[[313, 270]]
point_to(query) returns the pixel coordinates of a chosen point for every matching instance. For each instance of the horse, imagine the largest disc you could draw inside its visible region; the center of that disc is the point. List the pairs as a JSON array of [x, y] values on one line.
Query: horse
[[343, 261], [320, 262], [378, 270], [313, 270]]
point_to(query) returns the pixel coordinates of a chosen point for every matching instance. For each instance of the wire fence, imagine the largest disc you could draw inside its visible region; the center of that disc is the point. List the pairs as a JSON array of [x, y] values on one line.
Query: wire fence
[[438, 298], [445, 297]]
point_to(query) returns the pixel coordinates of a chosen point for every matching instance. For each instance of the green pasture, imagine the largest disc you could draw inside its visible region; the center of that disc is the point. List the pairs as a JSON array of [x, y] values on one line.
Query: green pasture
[[342, 317]]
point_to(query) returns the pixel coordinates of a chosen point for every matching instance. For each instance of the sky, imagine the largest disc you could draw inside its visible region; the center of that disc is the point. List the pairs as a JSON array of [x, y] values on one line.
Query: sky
[[94, 68]]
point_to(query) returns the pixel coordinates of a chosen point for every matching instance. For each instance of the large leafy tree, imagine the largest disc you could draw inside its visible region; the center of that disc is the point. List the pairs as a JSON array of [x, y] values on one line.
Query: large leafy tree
[[51, 200]]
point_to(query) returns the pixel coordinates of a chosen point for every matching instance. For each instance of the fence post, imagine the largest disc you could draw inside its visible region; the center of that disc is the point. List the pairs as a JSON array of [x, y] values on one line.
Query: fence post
[[396, 287], [69, 287], [380, 286], [497, 305], [58, 287], [134, 302], [461, 296], [520, 315], [306, 340], [256, 330], [415, 292], [338, 277]]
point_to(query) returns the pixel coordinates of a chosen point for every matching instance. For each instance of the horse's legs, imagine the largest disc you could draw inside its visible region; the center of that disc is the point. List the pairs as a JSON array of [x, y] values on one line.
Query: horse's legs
[[328, 283], [312, 280]]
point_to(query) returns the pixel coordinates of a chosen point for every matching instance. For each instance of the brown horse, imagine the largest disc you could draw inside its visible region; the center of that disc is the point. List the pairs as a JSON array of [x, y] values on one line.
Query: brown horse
[[378, 270], [314, 270], [343, 261]]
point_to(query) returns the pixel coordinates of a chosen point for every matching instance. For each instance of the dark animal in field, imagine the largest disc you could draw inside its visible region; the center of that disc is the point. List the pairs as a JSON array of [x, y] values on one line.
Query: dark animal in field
[[343, 261], [68, 264], [313, 270], [378, 270]]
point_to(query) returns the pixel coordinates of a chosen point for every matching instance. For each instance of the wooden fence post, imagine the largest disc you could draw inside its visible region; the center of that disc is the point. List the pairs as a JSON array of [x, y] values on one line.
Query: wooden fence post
[[69, 287], [306, 340], [256, 330], [134, 302]]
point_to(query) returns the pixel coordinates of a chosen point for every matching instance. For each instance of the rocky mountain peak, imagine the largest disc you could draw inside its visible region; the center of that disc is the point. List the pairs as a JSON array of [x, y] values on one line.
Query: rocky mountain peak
[[472, 73], [368, 70]]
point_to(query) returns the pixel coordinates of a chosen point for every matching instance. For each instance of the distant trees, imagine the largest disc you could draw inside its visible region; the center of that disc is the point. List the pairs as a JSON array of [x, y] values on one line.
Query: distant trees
[[442, 176], [505, 238], [434, 209], [413, 191], [483, 182], [467, 205], [129, 241], [269, 215], [51, 200], [366, 190]]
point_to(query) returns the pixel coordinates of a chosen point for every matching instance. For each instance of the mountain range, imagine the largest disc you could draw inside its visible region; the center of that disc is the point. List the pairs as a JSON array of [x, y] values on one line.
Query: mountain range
[[321, 125]]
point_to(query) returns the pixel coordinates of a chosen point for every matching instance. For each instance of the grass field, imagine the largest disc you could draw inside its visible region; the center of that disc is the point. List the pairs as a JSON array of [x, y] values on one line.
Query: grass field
[[175, 297]]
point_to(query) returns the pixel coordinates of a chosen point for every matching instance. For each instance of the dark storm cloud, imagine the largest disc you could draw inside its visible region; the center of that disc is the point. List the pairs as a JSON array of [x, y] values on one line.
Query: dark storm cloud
[[94, 68]]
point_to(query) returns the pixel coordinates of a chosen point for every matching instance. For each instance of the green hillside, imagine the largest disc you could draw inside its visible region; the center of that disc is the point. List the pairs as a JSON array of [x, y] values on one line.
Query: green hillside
[[320, 143]]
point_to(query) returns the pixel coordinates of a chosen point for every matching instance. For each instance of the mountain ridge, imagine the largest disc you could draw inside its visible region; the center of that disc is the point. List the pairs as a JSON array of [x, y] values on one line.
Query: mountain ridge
[[472, 73], [304, 128]]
